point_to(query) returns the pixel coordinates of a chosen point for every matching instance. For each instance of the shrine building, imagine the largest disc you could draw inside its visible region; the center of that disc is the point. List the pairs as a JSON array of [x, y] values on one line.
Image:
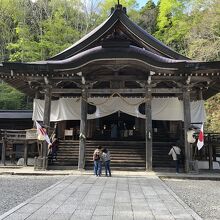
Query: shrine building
[[117, 87]]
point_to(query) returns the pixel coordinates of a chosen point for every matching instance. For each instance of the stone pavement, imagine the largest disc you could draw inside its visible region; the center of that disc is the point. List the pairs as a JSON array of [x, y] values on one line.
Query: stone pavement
[[125, 196]]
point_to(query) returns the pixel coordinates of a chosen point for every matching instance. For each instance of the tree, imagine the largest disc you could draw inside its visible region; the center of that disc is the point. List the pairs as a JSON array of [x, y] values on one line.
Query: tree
[[7, 25], [10, 98], [60, 21], [37, 32], [213, 114], [203, 41], [173, 23], [148, 17]]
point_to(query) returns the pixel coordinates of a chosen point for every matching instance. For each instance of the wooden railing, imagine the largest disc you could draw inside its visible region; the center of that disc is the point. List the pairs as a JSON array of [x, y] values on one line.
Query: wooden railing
[[14, 137]]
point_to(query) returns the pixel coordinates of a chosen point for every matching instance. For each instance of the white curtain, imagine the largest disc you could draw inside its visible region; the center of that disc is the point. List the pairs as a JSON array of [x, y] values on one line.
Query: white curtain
[[198, 113], [170, 109], [107, 106]]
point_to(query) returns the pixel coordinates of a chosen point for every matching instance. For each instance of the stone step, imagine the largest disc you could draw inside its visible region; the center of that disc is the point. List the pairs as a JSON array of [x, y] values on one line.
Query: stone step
[[122, 153]]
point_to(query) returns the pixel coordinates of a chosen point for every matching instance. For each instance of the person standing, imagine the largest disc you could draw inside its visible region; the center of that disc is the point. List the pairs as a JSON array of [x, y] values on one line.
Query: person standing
[[175, 151], [52, 150], [107, 159], [97, 161]]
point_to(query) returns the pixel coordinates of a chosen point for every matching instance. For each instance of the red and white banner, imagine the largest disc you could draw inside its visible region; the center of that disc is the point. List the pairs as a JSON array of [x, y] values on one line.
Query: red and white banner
[[42, 132], [200, 141]]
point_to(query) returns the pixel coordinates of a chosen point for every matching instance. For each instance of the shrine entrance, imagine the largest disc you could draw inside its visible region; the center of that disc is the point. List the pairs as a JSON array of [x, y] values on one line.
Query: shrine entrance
[[118, 126]]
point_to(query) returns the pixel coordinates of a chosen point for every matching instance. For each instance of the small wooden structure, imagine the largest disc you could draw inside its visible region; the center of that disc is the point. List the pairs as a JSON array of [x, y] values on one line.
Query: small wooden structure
[[116, 57], [10, 137]]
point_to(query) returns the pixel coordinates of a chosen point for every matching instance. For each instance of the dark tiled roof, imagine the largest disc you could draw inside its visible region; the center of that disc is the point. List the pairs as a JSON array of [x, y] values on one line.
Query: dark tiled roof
[[15, 114]]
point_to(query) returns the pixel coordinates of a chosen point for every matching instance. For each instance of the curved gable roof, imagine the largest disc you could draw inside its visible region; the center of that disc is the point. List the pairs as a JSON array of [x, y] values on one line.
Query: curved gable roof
[[133, 30]]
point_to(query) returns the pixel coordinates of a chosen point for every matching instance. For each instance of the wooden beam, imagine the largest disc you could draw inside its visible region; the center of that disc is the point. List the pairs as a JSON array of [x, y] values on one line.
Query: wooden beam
[[123, 91], [58, 78], [165, 90], [104, 78]]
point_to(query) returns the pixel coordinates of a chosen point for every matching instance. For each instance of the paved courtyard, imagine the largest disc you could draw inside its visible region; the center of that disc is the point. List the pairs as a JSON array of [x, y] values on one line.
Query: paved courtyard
[[104, 198]]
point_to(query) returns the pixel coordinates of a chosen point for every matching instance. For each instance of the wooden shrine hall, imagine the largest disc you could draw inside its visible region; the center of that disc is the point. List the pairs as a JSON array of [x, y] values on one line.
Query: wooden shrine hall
[[118, 77]]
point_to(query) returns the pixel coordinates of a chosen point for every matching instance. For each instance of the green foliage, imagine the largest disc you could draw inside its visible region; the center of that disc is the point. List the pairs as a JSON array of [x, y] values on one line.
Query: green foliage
[[11, 99], [38, 29], [26, 48], [7, 11], [173, 23], [203, 41], [213, 114], [52, 42]]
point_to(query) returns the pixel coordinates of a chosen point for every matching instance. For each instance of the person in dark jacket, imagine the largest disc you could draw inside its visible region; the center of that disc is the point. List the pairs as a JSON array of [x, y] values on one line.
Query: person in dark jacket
[[106, 157], [52, 150]]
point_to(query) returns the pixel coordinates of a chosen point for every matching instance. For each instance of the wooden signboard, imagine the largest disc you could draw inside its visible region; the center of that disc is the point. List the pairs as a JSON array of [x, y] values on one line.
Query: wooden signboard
[[31, 134]]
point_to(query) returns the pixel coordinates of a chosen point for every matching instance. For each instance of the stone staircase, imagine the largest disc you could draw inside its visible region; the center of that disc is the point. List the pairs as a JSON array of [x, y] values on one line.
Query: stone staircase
[[125, 155], [160, 155]]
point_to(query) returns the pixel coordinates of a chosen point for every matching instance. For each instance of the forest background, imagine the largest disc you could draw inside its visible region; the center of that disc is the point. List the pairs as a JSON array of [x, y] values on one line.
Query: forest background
[[37, 29]]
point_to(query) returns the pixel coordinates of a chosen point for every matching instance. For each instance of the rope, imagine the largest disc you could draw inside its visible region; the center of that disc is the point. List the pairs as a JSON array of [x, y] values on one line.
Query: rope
[[120, 96]]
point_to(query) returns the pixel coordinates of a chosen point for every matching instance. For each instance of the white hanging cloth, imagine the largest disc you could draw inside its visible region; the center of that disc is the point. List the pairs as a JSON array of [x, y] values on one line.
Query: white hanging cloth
[[169, 109]]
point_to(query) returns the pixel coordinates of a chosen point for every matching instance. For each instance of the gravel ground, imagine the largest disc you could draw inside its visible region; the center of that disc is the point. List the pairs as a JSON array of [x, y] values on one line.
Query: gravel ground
[[17, 189], [203, 196]]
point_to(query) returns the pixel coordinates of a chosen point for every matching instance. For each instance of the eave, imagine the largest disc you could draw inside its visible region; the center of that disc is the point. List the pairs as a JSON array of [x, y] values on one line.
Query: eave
[[97, 54]]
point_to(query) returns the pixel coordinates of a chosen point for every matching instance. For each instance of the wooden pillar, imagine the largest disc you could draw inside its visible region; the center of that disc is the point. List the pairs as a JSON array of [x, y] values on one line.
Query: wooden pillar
[[3, 151], [46, 122], [148, 129], [200, 95], [37, 95], [210, 147], [83, 128], [187, 122], [25, 152]]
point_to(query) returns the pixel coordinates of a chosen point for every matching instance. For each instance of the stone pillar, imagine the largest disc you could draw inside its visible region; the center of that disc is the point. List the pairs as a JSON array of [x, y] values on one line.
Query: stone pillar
[[187, 122], [148, 129], [46, 122], [83, 129]]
